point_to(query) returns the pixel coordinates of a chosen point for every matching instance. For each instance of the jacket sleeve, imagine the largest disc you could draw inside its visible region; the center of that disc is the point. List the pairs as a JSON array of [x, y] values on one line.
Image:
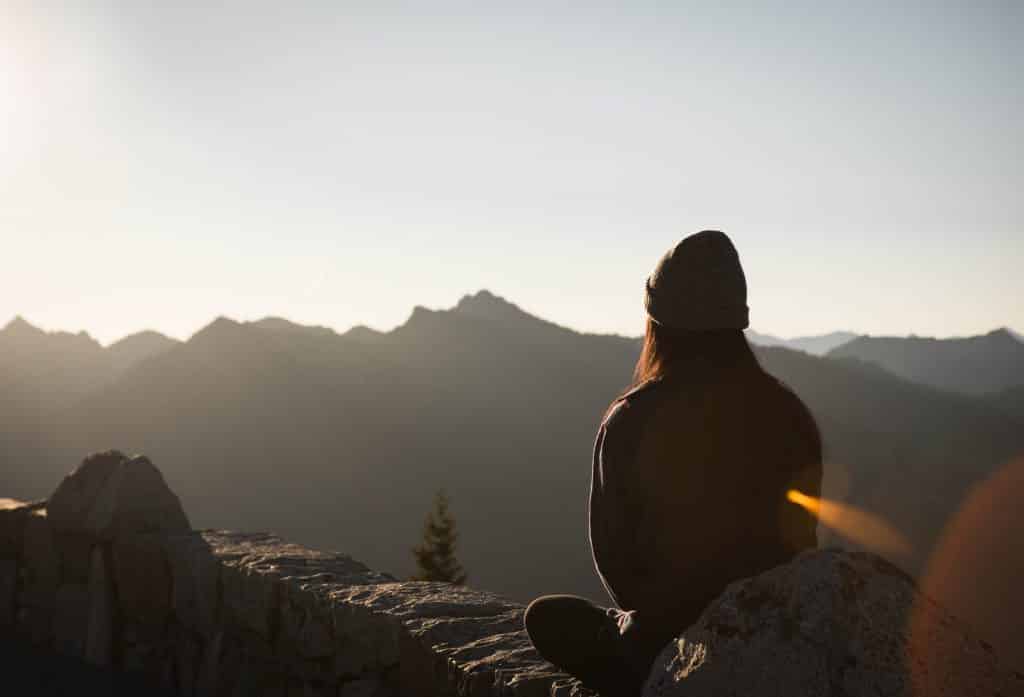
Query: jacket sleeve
[[615, 511], [800, 527]]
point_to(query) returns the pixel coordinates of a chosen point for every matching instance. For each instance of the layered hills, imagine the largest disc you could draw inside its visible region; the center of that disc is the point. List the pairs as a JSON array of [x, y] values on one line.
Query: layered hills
[[818, 344], [340, 440], [974, 365]]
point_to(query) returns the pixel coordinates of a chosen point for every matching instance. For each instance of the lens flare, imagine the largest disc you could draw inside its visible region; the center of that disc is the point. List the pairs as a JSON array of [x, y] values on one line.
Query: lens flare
[[975, 573], [858, 526]]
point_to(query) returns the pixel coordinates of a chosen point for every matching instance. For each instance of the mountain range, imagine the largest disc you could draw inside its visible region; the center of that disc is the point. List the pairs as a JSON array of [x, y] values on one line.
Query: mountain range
[[340, 440], [817, 345], [975, 365]]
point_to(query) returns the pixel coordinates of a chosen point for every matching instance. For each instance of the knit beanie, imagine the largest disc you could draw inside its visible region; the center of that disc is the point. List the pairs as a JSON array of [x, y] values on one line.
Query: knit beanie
[[699, 285]]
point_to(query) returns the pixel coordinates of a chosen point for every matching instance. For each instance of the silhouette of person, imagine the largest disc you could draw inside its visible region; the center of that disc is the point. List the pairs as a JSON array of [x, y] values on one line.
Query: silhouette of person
[[690, 473]]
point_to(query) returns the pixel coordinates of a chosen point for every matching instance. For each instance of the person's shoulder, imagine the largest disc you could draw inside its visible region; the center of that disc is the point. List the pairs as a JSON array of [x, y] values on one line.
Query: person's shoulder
[[792, 411], [625, 422], [634, 404], [784, 395]]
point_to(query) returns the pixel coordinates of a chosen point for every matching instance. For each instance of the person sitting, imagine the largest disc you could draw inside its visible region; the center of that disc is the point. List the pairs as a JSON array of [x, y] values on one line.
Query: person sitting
[[691, 470]]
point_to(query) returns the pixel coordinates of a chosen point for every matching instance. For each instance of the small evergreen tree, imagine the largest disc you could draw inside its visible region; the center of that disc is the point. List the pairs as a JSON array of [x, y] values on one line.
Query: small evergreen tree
[[435, 555]]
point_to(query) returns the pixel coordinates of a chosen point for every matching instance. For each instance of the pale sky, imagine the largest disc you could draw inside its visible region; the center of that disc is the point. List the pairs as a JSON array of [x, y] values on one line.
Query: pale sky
[[337, 163]]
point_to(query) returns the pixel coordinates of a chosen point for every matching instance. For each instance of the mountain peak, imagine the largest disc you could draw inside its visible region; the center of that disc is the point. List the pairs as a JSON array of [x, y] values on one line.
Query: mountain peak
[[19, 326], [486, 305], [141, 345], [222, 322], [1004, 334], [220, 328], [361, 332], [21, 332], [275, 323], [280, 324]]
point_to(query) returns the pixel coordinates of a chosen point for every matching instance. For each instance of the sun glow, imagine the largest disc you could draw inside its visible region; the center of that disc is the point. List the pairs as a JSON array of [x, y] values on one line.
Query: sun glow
[[47, 79], [15, 95], [859, 526]]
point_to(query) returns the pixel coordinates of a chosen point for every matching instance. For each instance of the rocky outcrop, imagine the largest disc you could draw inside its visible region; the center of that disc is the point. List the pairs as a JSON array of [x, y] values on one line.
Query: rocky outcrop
[[829, 623], [111, 496], [108, 572]]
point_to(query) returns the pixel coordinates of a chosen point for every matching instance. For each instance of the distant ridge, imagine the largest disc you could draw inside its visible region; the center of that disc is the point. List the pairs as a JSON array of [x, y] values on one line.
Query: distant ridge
[[278, 324], [312, 433], [816, 345], [362, 333], [141, 345], [219, 330], [974, 365], [486, 305], [20, 332], [1011, 401], [18, 326], [59, 367], [483, 304]]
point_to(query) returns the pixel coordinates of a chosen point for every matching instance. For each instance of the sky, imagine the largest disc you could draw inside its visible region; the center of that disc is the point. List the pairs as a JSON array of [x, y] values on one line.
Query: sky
[[337, 163]]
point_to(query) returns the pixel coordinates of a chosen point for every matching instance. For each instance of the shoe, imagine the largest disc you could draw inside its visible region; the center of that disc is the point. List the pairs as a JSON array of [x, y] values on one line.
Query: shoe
[[585, 641]]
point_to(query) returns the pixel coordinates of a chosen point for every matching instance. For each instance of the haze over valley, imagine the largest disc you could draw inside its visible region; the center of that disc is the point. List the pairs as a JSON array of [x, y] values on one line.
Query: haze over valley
[[340, 440]]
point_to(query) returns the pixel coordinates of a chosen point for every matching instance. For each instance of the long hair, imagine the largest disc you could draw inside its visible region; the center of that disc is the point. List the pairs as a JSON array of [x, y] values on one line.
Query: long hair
[[667, 351]]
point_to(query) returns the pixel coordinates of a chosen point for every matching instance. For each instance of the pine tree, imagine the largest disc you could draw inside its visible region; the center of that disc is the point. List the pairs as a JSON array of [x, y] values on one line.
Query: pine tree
[[435, 555]]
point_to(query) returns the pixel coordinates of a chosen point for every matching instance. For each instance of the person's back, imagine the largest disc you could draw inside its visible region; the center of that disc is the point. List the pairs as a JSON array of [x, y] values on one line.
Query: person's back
[[690, 480], [691, 471]]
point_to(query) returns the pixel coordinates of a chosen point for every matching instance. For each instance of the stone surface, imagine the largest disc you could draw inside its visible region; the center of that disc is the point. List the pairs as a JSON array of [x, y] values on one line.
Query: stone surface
[[40, 566], [100, 633], [142, 578], [71, 619], [8, 589], [449, 638], [322, 606], [35, 625], [187, 659], [305, 626], [27, 671], [208, 676], [73, 499], [73, 551], [830, 623], [110, 494], [110, 570], [370, 687], [13, 514], [195, 576], [254, 566]]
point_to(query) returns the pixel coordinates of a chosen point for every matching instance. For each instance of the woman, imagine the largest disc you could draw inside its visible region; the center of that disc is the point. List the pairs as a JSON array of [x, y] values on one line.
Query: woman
[[690, 474]]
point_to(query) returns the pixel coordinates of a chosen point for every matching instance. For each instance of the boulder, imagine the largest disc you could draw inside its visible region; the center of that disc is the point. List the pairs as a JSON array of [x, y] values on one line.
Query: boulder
[[109, 495], [195, 576], [34, 625], [13, 515], [208, 676], [100, 633], [71, 619], [74, 497], [830, 623], [40, 562], [73, 551], [8, 588], [370, 687], [142, 578]]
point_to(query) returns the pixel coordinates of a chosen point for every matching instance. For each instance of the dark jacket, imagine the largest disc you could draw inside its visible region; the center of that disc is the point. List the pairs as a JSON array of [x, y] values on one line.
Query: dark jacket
[[689, 486]]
